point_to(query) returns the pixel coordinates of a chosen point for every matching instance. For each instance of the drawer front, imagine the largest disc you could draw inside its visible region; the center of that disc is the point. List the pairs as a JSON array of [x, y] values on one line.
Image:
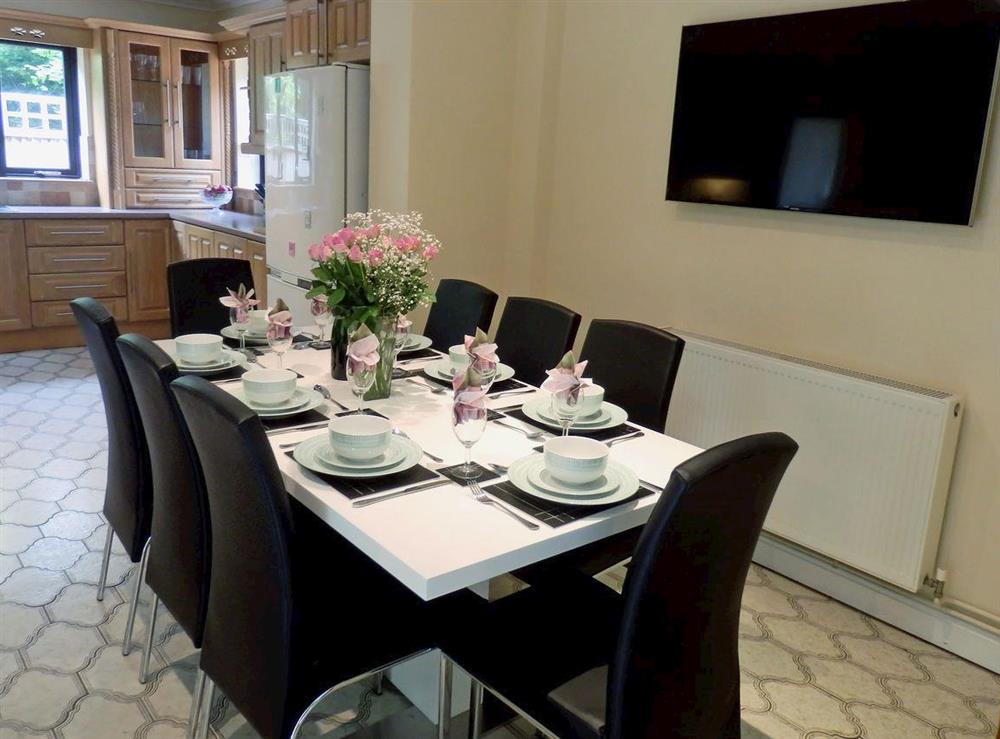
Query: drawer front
[[164, 198], [58, 313], [160, 179], [45, 260], [67, 287], [69, 232], [233, 247]]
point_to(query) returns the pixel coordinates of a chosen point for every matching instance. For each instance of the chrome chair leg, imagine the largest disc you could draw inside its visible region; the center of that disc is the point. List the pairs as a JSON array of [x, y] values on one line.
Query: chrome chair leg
[[205, 710], [134, 606], [444, 698], [476, 710], [199, 692], [147, 648], [379, 679], [104, 563]]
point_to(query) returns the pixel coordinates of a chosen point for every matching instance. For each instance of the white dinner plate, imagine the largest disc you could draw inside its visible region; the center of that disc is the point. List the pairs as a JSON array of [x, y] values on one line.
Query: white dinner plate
[[442, 370], [393, 454], [544, 409], [624, 480], [308, 455], [299, 398], [532, 408], [313, 400], [231, 333], [230, 359], [541, 478], [415, 342]]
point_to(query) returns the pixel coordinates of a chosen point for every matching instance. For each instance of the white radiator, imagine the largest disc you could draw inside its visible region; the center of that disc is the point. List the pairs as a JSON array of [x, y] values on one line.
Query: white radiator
[[869, 483]]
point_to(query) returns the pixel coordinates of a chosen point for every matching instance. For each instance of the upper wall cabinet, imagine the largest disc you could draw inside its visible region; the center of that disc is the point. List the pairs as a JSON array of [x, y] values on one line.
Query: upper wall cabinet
[[265, 56], [326, 31], [171, 102]]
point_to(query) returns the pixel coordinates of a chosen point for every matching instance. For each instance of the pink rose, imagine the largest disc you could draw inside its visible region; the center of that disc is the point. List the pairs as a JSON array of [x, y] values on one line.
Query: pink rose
[[320, 252], [355, 254], [431, 251], [407, 243], [346, 235], [334, 243], [375, 256]]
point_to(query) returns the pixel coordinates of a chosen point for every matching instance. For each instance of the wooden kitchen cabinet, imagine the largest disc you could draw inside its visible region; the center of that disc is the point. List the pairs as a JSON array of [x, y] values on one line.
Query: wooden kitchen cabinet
[[71, 232], [200, 242], [148, 251], [302, 33], [258, 265], [15, 301], [229, 247], [266, 55], [348, 35]]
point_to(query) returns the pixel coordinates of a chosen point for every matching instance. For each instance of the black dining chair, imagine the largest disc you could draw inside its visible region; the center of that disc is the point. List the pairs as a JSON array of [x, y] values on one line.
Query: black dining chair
[[128, 497], [636, 365], [661, 660], [294, 609], [533, 336], [179, 558], [459, 309], [195, 286]]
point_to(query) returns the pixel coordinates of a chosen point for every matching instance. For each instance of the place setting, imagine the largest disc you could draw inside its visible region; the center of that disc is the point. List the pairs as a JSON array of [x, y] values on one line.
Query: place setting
[[498, 376], [205, 354]]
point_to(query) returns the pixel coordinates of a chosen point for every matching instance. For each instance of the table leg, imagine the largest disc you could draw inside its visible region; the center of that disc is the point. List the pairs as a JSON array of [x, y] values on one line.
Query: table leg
[[444, 697]]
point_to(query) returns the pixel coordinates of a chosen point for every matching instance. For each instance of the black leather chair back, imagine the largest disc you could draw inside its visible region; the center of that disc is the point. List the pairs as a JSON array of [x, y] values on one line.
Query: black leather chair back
[[675, 671], [128, 499], [195, 286], [460, 308], [180, 555], [636, 365], [248, 630], [534, 335]]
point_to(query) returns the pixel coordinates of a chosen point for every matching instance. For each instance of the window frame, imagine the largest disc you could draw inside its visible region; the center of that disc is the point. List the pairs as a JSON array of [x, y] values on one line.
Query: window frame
[[71, 82]]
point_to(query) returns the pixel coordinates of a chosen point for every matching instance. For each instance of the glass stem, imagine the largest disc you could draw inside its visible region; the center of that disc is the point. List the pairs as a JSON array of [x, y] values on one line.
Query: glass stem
[[243, 341], [468, 457]]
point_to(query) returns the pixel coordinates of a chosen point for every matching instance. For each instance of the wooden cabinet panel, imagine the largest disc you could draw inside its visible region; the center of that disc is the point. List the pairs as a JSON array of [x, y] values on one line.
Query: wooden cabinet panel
[[302, 34], [15, 304], [164, 199], [148, 251], [266, 55], [258, 265], [68, 287], [55, 259], [146, 93], [69, 232], [197, 106], [233, 247], [200, 241], [348, 30], [58, 313], [161, 179]]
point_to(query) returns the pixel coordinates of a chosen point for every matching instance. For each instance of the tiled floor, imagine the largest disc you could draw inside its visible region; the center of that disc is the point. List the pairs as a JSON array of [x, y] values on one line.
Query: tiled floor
[[811, 666]]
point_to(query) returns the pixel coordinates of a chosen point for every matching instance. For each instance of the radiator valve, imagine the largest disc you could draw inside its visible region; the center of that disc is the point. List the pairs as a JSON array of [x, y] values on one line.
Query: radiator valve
[[936, 583]]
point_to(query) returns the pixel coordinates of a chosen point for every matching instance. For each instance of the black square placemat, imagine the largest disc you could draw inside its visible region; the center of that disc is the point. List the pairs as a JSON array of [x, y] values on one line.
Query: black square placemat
[[419, 354], [550, 513], [354, 488], [485, 475], [299, 419], [496, 387], [599, 434], [230, 374]]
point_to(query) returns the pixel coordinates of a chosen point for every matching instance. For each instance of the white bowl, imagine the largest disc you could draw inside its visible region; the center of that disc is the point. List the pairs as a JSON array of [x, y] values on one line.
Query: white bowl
[[459, 358], [359, 437], [592, 397], [199, 348], [575, 459], [269, 387], [258, 322]]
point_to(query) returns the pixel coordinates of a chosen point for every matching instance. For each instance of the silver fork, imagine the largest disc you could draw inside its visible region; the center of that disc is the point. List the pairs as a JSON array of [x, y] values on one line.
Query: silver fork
[[427, 386], [530, 434], [399, 432], [482, 497], [634, 435]]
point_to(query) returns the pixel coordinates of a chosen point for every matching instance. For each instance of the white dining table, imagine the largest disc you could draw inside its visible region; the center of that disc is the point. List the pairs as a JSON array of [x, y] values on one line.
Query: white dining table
[[441, 540]]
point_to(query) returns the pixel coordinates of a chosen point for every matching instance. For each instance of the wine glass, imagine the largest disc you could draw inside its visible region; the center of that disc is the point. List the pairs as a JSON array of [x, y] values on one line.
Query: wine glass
[[468, 422], [323, 319], [361, 377], [280, 343], [487, 371], [566, 405], [239, 319], [402, 333]]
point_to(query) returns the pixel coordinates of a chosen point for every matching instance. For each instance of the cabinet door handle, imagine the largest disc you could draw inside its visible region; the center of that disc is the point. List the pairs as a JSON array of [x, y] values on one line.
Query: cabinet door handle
[[65, 313], [237, 251], [206, 242], [176, 178], [77, 287], [170, 102], [79, 259], [258, 258], [177, 106], [90, 232], [154, 198], [223, 247]]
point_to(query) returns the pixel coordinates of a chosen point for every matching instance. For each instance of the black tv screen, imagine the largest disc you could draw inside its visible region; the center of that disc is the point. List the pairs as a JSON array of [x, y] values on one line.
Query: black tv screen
[[878, 111]]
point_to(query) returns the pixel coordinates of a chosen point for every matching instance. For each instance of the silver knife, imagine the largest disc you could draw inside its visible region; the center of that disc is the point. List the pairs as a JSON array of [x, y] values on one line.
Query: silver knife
[[303, 427], [522, 391], [405, 491]]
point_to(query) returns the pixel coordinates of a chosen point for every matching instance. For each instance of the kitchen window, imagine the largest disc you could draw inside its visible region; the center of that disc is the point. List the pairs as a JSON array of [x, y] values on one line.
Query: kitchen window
[[40, 80]]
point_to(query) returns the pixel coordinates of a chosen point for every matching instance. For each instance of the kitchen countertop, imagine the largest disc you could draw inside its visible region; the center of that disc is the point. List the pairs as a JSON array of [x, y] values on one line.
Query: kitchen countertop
[[227, 221]]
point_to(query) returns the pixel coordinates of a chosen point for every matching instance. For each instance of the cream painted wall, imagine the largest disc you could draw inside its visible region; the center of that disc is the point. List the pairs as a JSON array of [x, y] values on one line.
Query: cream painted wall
[[537, 146], [136, 11], [916, 302]]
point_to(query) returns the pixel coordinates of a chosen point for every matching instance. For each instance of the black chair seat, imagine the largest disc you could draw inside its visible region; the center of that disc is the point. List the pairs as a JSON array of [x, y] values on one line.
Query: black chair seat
[[530, 643]]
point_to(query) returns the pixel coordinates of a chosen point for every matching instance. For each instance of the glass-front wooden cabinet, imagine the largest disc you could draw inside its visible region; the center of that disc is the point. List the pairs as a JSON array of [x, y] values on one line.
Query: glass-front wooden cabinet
[[171, 102]]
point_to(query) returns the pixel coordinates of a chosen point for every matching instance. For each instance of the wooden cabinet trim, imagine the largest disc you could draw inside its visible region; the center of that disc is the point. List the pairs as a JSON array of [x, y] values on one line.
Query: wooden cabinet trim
[[73, 232]]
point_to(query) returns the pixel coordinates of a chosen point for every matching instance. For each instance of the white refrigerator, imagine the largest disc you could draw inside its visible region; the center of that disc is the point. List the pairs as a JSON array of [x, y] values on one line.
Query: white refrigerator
[[315, 169]]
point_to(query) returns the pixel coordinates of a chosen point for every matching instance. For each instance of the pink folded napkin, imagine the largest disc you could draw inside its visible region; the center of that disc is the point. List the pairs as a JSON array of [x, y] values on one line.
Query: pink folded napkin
[[362, 350], [318, 306], [480, 349], [470, 397], [242, 300], [279, 321], [566, 379]]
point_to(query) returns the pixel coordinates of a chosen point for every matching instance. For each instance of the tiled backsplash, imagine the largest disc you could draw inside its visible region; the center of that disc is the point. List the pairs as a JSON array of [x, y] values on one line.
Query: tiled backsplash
[[47, 192]]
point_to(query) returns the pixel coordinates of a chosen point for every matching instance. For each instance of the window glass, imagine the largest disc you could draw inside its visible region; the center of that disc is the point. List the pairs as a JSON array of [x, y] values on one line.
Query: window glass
[[34, 106], [15, 121], [13, 106]]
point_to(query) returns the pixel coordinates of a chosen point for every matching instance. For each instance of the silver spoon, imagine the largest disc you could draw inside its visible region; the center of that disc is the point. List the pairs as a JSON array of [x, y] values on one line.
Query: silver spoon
[[633, 435], [530, 434], [399, 432], [326, 394], [427, 386]]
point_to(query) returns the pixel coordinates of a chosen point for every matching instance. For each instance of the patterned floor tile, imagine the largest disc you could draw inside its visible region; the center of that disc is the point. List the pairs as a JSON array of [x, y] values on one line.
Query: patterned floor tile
[[845, 680], [83, 500], [962, 677], [40, 700], [936, 705], [16, 539], [72, 525], [100, 716], [78, 604], [32, 586], [87, 568], [47, 489], [768, 659], [53, 553], [879, 656], [809, 708], [886, 723], [62, 647], [112, 673], [19, 624]]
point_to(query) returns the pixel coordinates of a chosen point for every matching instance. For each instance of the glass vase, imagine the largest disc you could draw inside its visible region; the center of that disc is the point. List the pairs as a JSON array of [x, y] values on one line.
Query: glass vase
[[340, 333], [385, 329]]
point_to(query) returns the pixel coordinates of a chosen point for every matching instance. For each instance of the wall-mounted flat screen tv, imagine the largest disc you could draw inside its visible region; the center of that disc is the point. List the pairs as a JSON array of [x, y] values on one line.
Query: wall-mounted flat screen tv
[[879, 110]]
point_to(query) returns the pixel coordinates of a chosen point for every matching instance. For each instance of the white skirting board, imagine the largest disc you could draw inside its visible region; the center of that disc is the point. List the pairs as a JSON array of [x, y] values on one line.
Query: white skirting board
[[907, 612]]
